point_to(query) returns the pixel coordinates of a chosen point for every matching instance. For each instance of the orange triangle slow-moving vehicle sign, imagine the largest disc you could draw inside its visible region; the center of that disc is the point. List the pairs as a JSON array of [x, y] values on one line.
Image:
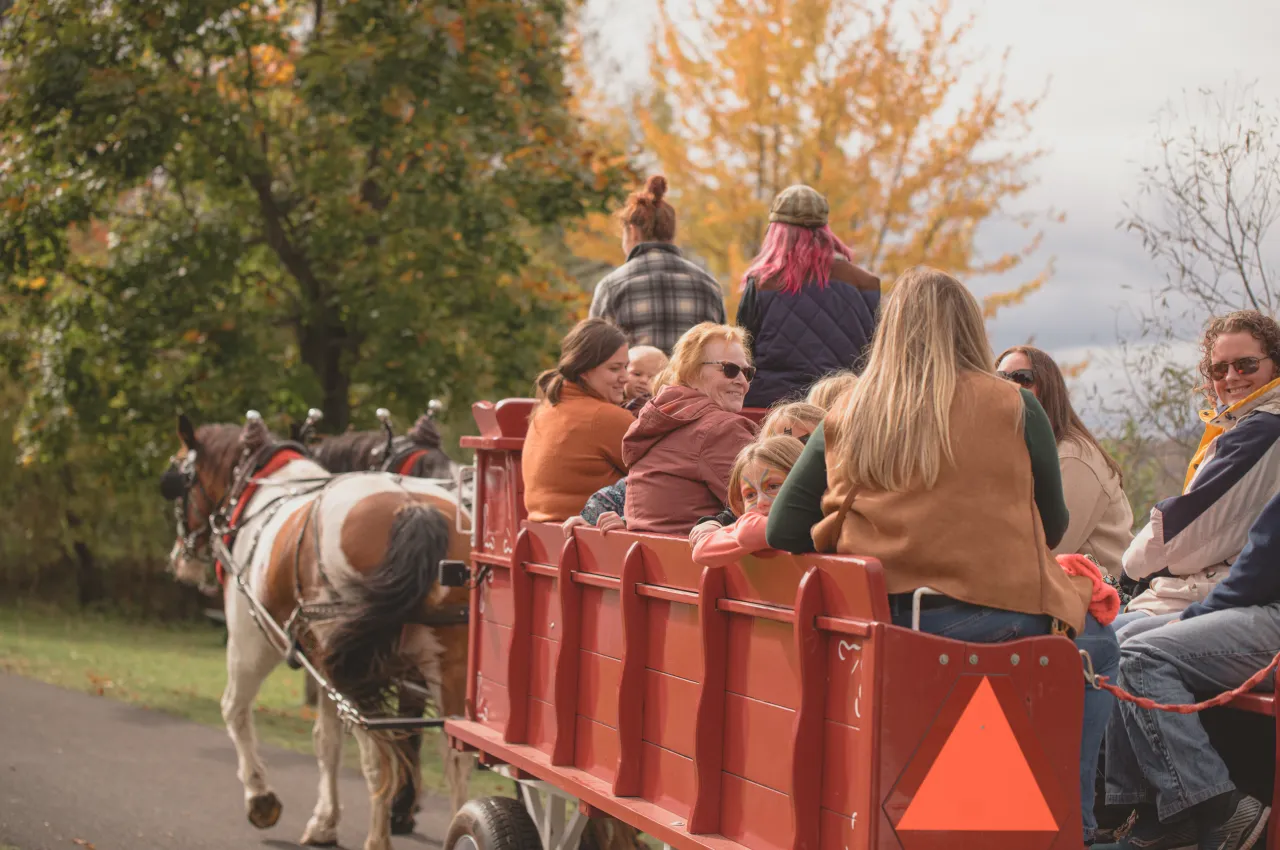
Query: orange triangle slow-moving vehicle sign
[[980, 780]]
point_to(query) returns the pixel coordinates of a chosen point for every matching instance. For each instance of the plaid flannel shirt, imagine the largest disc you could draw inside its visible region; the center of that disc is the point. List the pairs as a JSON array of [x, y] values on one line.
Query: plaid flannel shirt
[[657, 295]]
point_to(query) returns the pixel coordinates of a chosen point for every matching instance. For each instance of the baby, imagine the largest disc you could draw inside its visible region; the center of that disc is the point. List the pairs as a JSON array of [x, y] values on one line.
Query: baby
[[757, 476], [645, 364]]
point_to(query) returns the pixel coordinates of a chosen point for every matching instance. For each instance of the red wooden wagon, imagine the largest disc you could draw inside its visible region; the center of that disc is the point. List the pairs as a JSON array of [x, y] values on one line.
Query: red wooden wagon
[[768, 705]]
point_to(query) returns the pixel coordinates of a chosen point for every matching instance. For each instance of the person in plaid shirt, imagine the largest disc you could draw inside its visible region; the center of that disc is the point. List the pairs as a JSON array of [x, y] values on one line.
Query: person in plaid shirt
[[657, 294]]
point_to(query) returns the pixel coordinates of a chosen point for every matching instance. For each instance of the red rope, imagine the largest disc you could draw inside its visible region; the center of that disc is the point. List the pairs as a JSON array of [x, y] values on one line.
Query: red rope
[[1221, 699]]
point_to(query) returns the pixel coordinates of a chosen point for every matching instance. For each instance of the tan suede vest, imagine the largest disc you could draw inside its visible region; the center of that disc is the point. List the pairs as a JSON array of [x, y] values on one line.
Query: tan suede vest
[[976, 535]]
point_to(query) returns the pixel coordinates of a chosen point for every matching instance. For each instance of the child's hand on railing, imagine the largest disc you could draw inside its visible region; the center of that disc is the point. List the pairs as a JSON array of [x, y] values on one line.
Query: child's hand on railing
[[610, 521], [571, 523]]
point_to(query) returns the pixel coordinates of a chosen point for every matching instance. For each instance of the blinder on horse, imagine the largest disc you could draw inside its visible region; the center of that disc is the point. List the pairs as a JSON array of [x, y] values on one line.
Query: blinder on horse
[[176, 484]]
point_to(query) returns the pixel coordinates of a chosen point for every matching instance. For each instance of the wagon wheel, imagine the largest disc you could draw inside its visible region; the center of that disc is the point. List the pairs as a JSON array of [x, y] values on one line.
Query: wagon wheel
[[492, 823]]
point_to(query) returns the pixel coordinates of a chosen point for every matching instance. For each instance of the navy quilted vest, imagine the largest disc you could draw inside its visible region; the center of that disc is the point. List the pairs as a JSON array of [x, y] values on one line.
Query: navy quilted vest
[[807, 335]]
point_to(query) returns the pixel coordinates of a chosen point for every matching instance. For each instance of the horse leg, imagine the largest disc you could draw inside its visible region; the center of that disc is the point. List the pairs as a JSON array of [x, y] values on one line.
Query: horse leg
[[250, 659], [322, 829], [405, 804], [379, 763]]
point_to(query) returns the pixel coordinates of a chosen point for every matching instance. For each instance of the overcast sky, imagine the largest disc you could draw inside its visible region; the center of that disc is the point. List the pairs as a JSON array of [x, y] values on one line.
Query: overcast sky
[[1110, 67]]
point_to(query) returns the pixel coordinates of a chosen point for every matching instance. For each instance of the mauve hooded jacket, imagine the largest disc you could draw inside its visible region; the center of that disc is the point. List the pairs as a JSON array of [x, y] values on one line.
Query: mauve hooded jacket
[[679, 454]]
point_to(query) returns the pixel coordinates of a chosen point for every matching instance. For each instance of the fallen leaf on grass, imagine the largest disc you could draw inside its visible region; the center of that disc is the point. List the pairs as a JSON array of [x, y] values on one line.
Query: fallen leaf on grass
[[101, 683]]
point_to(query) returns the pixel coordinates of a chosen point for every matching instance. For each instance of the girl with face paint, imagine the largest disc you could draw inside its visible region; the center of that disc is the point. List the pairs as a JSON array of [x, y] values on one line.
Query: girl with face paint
[[757, 476]]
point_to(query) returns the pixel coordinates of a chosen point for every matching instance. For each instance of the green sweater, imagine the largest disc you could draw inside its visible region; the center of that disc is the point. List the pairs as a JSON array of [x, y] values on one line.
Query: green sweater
[[798, 507]]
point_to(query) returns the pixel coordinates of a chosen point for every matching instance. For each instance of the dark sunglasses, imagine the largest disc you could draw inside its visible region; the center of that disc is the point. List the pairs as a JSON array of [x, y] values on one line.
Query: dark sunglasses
[[1021, 377], [1243, 366], [732, 370]]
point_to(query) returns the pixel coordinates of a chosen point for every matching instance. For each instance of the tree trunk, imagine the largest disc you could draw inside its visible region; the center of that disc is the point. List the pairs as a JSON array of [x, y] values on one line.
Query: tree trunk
[[323, 347], [90, 587]]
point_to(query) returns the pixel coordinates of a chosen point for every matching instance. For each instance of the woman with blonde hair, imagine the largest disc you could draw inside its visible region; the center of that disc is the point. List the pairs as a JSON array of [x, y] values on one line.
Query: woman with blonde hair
[[682, 446], [948, 475]]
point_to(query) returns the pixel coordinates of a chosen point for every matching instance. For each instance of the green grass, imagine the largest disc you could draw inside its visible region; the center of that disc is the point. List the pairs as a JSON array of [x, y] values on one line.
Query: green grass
[[180, 670]]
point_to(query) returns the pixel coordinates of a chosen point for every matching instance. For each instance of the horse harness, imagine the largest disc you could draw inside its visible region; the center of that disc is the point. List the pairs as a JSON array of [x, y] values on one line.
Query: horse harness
[[223, 530]]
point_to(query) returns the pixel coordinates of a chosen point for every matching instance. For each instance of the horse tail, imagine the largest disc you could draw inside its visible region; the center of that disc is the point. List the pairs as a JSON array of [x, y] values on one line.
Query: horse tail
[[362, 653]]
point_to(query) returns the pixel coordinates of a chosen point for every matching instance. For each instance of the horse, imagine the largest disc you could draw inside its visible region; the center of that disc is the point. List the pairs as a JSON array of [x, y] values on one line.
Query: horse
[[419, 454], [349, 566]]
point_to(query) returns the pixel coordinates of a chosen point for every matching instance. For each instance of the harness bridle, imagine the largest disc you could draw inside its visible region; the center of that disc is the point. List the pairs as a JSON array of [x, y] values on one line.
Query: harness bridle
[[195, 546]]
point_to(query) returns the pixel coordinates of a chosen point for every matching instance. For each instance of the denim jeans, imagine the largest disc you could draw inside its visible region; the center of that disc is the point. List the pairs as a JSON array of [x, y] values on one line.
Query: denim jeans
[[1125, 618], [1131, 625], [961, 621], [1164, 758]]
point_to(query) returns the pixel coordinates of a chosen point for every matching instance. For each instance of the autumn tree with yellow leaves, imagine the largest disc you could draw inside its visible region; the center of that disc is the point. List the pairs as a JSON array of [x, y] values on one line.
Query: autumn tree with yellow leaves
[[887, 118]]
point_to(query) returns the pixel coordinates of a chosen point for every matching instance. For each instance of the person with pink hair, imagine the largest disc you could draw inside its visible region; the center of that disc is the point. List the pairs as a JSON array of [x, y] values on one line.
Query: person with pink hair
[[808, 309]]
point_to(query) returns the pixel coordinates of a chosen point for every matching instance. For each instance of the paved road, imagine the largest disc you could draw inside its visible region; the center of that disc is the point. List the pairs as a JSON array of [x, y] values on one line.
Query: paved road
[[76, 768]]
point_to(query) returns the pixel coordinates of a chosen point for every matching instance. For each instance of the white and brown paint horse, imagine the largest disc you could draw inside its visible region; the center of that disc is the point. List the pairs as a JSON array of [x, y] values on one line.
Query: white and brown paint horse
[[366, 547], [420, 454]]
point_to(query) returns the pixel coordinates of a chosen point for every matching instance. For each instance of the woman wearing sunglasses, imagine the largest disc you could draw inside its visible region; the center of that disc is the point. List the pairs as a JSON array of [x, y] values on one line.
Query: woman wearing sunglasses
[[949, 476], [1101, 520], [807, 309], [683, 445], [1192, 539]]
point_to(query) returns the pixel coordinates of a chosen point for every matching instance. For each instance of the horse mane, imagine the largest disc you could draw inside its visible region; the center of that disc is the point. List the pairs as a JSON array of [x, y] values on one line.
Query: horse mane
[[220, 448], [350, 452]]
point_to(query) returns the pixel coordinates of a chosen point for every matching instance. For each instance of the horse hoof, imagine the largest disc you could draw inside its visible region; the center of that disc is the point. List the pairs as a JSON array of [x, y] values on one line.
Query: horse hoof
[[264, 810], [402, 824], [319, 836]]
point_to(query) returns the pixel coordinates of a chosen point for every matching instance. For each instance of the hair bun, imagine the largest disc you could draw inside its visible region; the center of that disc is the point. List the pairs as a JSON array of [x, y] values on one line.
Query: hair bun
[[656, 187]]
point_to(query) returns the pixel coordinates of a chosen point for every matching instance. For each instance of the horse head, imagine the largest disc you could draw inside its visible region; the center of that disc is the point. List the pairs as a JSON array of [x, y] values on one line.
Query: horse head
[[199, 481]]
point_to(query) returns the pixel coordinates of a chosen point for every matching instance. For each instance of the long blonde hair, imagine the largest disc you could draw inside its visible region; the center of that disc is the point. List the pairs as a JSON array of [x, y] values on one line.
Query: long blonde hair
[[688, 355], [893, 430], [781, 453]]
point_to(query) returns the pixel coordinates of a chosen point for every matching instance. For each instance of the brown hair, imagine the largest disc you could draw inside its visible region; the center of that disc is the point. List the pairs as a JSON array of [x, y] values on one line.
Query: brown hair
[[781, 453], [687, 356], [828, 389], [796, 411], [590, 343], [648, 213], [1052, 391], [1262, 328]]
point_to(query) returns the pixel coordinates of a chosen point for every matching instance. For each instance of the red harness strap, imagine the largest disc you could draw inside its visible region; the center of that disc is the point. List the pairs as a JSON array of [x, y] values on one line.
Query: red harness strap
[[407, 466], [278, 462]]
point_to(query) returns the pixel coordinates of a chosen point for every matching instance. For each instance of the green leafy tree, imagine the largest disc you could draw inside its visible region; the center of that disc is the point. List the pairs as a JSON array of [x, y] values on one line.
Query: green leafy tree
[[222, 205], [256, 187]]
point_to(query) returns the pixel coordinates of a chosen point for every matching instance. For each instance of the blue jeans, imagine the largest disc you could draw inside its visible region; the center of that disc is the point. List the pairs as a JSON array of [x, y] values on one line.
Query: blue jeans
[[1133, 624], [961, 621], [1164, 758]]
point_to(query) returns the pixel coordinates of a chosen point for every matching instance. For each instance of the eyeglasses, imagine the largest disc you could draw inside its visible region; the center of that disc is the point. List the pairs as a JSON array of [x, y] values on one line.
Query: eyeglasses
[[732, 370], [1243, 366], [1021, 377]]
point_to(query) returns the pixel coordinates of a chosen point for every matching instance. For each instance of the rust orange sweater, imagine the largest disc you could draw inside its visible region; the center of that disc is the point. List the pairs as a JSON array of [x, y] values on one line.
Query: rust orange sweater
[[572, 450]]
